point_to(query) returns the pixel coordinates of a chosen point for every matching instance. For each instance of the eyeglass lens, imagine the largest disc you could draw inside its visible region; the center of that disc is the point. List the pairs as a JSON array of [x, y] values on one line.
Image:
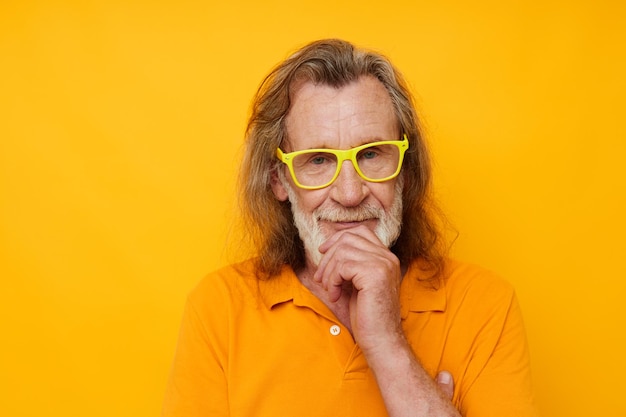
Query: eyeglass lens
[[375, 162]]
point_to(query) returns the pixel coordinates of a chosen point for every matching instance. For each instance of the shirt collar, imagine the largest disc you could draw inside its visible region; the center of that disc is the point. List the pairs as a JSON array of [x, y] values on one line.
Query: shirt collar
[[416, 293], [280, 288]]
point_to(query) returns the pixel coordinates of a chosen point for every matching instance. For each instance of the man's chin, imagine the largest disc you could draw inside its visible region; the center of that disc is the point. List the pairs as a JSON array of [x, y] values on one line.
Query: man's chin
[[313, 257]]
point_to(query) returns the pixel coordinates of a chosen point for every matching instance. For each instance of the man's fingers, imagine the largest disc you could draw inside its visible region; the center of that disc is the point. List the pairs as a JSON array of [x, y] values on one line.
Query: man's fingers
[[360, 231], [446, 383]]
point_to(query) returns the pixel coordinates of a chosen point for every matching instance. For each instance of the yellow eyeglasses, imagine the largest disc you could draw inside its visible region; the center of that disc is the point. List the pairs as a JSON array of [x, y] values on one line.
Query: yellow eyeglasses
[[313, 169]]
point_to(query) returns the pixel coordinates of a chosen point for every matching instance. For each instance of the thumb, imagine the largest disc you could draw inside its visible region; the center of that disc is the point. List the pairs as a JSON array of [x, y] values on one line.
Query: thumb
[[446, 383]]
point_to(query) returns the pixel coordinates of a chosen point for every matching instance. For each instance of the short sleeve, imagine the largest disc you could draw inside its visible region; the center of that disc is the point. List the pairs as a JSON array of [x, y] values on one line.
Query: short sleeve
[[197, 384], [503, 387]]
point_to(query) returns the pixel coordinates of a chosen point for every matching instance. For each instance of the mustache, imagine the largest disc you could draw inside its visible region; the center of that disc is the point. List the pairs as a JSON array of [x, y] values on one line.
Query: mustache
[[349, 214]]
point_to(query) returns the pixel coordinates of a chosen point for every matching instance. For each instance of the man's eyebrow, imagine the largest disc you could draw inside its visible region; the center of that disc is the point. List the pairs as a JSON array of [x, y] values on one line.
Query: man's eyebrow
[[322, 145], [371, 139]]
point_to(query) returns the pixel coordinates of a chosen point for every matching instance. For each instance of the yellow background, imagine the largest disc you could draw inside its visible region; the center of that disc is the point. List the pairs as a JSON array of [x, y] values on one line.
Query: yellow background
[[120, 129]]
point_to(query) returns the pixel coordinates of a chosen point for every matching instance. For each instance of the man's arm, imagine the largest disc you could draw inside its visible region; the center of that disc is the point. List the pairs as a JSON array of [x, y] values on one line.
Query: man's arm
[[407, 389], [356, 255]]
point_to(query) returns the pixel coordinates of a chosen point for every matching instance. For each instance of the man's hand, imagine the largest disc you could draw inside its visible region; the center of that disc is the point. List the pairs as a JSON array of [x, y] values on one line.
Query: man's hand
[[446, 383], [357, 256]]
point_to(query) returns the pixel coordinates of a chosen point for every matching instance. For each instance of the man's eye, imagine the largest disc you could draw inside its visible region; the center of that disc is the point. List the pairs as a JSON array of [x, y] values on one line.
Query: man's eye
[[318, 160], [369, 154]]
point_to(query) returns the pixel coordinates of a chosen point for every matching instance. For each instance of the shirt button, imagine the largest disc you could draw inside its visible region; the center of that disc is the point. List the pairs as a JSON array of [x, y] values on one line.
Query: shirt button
[[335, 330]]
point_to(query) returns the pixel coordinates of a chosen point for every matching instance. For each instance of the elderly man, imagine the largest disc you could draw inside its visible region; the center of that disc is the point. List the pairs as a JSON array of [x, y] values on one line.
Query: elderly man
[[351, 307]]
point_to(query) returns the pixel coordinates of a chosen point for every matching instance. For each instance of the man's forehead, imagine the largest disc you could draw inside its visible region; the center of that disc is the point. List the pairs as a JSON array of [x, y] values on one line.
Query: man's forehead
[[357, 113], [301, 85]]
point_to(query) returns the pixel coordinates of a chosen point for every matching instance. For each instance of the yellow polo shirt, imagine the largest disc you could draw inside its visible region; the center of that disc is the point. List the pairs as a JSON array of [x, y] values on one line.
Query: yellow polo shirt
[[271, 348]]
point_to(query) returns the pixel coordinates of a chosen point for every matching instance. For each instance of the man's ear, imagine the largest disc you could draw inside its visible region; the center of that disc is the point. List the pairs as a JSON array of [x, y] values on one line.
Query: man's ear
[[277, 186]]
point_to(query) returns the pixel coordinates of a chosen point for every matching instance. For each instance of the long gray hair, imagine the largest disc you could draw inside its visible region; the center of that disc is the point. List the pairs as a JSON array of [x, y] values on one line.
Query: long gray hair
[[268, 221]]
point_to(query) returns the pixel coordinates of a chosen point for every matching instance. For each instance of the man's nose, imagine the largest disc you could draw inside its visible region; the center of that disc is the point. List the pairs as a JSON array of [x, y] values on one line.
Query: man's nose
[[349, 189]]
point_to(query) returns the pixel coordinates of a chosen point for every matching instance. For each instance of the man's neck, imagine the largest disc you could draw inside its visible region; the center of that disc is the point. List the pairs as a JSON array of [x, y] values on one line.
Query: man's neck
[[341, 307]]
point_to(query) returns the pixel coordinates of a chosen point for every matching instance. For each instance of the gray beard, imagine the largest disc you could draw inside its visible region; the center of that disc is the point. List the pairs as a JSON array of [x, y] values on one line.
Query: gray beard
[[387, 229]]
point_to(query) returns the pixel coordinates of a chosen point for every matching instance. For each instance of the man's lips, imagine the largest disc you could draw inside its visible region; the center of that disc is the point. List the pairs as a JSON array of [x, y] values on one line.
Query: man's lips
[[346, 224]]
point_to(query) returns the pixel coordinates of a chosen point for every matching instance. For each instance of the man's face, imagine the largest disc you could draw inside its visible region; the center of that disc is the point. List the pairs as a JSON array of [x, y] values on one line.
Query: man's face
[[325, 117]]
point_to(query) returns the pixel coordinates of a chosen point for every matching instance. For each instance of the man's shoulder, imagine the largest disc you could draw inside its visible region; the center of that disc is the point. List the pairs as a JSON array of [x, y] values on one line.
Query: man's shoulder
[[462, 273], [234, 278], [239, 284], [475, 284]]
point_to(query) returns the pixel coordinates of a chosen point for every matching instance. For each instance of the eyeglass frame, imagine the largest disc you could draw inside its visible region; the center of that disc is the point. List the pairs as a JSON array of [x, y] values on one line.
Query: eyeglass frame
[[343, 155]]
